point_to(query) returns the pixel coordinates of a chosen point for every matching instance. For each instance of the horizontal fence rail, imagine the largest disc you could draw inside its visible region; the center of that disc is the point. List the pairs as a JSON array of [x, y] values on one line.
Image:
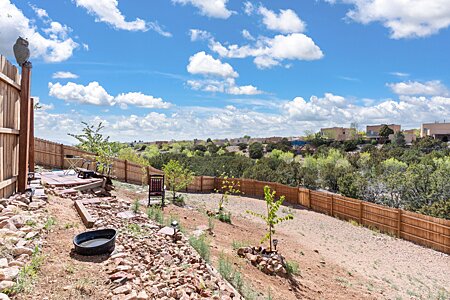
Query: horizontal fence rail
[[420, 229], [423, 230]]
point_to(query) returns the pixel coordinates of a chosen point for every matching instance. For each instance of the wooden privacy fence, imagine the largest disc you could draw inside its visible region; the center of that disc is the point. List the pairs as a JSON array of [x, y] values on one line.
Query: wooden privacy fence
[[16, 113], [51, 155], [423, 230], [9, 127]]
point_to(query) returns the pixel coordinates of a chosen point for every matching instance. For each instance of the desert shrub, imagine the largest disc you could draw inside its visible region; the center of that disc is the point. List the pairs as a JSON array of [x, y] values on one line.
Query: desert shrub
[[201, 245], [292, 268], [156, 214]]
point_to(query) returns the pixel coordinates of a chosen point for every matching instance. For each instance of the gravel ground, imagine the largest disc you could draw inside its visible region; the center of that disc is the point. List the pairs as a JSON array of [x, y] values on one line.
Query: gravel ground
[[403, 269]]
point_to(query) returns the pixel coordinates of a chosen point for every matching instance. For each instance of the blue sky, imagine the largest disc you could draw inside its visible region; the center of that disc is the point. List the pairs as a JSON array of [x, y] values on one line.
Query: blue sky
[[182, 69]]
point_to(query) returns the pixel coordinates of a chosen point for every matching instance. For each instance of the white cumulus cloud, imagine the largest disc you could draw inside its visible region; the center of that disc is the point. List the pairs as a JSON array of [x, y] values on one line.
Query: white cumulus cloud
[[404, 18], [199, 35], [430, 88], [204, 64], [107, 11], [95, 94], [64, 75], [269, 52], [52, 44], [209, 8], [287, 21]]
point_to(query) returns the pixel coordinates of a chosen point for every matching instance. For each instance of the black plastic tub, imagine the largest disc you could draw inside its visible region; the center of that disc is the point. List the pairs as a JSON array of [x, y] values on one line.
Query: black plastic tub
[[95, 242]]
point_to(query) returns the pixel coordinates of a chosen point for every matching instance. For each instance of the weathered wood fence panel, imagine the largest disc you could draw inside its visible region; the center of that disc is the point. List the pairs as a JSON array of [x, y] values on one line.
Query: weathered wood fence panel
[[9, 127], [51, 155], [423, 230]]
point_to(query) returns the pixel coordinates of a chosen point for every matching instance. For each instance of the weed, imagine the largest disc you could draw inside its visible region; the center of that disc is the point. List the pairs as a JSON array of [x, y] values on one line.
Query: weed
[[31, 223], [70, 225], [135, 229], [302, 253], [27, 274], [443, 294], [156, 214], [201, 245], [343, 281], [292, 268], [49, 223], [269, 295], [354, 223], [84, 286], [70, 269], [224, 217], [135, 206], [179, 201], [239, 244]]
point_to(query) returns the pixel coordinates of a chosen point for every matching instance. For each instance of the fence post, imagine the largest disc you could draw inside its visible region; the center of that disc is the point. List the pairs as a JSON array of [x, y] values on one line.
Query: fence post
[[148, 174], [399, 224], [62, 156], [201, 183], [332, 200], [361, 212], [126, 170], [31, 151], [309, 198], [24, 133]]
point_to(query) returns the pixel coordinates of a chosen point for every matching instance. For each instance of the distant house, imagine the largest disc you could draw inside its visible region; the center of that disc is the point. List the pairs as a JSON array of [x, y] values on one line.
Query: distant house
[[373, 131], [436, 130], [339, 133]]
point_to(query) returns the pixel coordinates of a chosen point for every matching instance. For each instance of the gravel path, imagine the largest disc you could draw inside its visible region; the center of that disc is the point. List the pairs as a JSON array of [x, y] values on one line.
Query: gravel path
[[403, 269]]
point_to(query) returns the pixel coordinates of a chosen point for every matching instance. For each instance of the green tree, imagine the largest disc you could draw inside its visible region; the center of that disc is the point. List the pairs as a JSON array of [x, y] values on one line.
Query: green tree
[[242, 146], [271, 218], [177, 176], [399, 139], [385, 131], [256, 150], [92, 140]]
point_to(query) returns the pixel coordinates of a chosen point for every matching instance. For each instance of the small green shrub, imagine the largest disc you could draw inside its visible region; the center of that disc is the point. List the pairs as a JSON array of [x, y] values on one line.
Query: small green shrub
[[292, 268], [224, 216], [201, 245], [179, 201], [135, 206], [156, 214], [239, 244], [49, 223], [134, 229]]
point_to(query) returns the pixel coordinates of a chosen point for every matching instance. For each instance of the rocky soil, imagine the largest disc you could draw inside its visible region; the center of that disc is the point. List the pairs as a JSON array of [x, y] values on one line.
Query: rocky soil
[[149, 263], [22, 223]]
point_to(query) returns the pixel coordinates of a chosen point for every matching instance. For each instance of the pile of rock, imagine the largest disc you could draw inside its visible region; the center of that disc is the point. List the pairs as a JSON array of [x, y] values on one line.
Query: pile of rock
[[22, 218], [269, 262], [148, 263]]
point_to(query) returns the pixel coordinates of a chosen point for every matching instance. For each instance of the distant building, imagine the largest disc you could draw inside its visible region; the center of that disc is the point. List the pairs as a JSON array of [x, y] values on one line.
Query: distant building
[[339, 133], [373, 131], [436, 130]]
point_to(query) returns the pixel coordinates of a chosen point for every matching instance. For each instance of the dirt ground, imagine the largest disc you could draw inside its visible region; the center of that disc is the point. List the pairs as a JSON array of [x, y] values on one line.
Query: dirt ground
[[336, 259], [63, 274]]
